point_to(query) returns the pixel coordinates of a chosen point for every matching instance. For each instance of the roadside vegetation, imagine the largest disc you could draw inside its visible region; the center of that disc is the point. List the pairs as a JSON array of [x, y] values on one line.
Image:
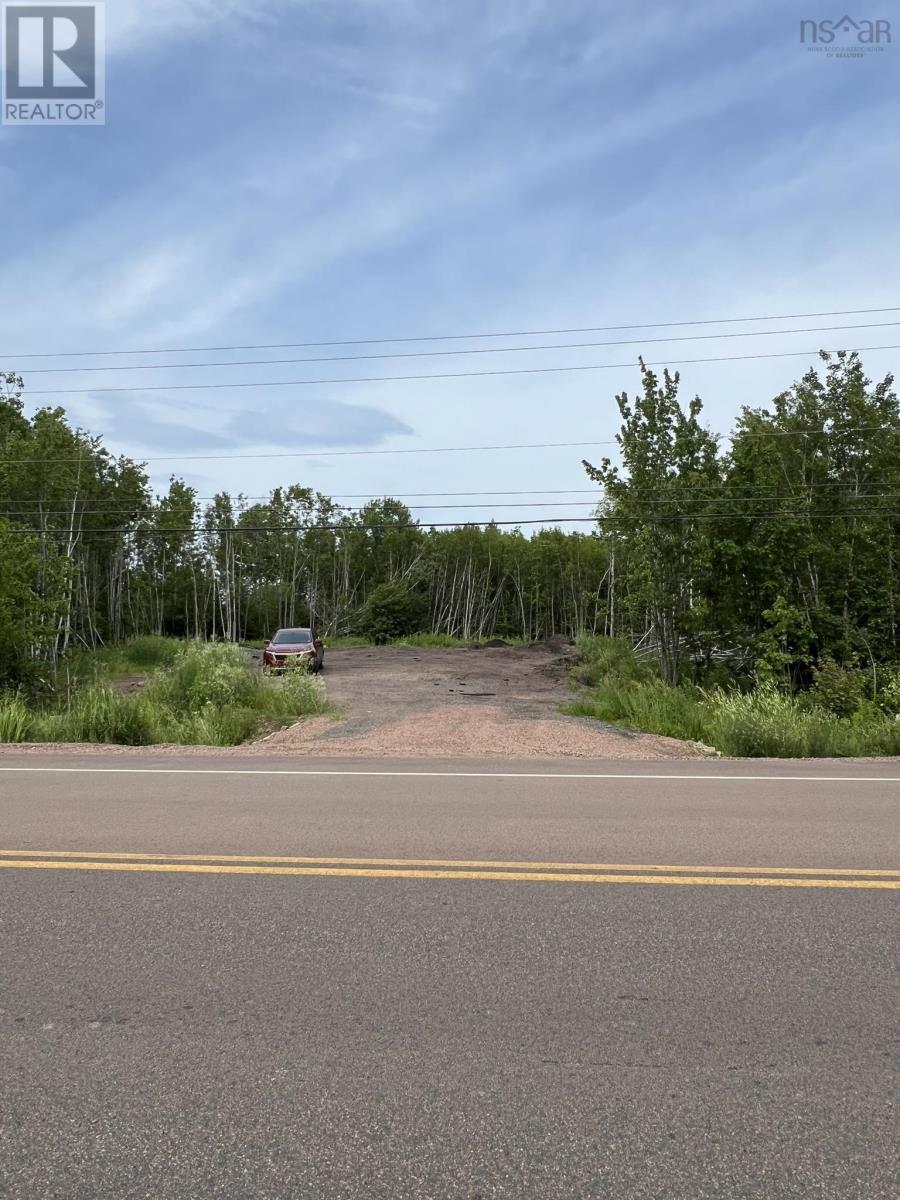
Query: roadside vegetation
[[758, 574], [194, 695], [844, 713], [134, 657]]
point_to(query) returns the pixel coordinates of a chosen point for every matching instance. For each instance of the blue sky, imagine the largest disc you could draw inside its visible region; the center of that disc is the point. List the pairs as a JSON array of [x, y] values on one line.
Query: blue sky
[[291, 172]]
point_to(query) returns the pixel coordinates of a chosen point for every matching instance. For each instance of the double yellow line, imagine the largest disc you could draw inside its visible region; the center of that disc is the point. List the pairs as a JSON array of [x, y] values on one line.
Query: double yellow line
[[445, 869]]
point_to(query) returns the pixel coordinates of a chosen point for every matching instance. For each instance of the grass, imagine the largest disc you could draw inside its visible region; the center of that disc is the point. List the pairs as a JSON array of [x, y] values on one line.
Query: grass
[[761, 723], [133, 657], [432, 641], [208, 695], [15, 719]]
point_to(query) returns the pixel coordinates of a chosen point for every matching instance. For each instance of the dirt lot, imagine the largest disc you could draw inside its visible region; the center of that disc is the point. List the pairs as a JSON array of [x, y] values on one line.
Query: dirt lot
[[400, 702], [502, 702]]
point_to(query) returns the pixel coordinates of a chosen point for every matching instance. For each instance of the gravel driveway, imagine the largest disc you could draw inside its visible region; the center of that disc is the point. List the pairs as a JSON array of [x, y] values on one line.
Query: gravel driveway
[[399, 701]]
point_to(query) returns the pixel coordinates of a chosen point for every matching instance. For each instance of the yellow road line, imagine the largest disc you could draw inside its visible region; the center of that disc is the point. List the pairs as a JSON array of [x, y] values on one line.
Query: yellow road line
[[476, 864], [197, 868]]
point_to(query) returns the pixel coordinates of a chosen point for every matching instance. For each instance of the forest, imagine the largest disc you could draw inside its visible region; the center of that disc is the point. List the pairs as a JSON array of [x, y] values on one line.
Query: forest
[[758, 556]]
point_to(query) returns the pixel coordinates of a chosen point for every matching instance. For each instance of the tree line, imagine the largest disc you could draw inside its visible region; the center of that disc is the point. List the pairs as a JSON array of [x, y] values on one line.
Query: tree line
[[767, 553]]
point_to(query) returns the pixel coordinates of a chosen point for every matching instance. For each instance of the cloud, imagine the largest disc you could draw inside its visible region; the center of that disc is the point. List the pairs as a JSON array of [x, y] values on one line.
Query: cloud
[[142, 425], [292, 172], [136, 25]]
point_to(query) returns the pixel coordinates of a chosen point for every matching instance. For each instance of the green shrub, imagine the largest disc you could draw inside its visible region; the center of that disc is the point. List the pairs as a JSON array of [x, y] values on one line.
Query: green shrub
[[837, 690], [202, 674], [763, 722], [888, 697], [211, 695], [392, 611]]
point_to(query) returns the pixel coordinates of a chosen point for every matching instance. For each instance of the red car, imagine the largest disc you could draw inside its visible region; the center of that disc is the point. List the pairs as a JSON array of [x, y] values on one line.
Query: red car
[[294, 648]]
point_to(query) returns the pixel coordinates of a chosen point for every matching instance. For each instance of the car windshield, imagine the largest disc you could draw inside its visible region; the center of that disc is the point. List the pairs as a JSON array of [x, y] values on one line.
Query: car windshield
[[291, 637]]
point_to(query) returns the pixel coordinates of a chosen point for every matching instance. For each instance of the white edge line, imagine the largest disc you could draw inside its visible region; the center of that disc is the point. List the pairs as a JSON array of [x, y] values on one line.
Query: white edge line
[[446, 774]]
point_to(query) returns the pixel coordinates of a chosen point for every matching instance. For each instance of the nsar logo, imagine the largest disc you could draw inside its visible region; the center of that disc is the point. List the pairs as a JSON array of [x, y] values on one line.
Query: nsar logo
[[846, 38]]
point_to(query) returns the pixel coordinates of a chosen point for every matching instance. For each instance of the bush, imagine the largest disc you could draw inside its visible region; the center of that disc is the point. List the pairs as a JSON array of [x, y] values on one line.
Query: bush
[[761, 723], [203, 674], [391, 612], [836, 689], [211, 695], [888, 698]]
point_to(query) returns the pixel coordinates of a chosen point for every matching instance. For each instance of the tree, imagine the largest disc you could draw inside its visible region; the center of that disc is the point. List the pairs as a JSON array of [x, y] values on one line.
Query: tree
[[654, 514], [816, 522]]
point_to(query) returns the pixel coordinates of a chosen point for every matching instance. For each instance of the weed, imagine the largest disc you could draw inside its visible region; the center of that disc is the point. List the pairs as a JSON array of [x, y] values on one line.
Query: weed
[[209, 695], [764, 722], [16, 719]]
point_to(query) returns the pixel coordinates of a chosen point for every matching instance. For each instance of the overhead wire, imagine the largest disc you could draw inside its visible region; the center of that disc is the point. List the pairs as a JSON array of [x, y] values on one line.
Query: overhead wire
[[505, 371], [312, 453], [272, 362], [454, 337], [137, 511], [425, 525]]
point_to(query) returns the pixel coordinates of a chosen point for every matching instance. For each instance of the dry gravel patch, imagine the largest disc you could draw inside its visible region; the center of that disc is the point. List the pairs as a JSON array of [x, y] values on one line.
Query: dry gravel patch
[[503, 702]]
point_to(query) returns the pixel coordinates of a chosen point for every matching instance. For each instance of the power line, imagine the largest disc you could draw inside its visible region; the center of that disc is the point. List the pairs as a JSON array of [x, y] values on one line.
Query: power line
[[137, 512], [21, 461], [424, 526], [376, 495], [328, 453], [457, 337], [269, 383], [275, 362]]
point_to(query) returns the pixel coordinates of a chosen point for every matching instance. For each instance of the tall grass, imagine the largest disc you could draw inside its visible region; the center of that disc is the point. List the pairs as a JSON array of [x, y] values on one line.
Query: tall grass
[[16, 719], [602, 657], [137, 656], [210, 695], [761, 723]]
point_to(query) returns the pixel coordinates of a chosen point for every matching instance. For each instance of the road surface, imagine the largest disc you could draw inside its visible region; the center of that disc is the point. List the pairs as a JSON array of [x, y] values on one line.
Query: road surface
[[270, 978]]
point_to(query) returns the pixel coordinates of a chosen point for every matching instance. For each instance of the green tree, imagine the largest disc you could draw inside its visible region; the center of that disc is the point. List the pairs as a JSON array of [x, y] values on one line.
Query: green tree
[[655, 513]]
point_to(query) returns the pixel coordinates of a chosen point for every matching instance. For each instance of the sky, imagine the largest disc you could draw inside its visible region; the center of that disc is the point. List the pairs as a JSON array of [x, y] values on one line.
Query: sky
[[277, 173]]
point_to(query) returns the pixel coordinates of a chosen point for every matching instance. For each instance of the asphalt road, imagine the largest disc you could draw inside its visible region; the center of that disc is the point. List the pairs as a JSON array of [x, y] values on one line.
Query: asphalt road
[[624, 981]]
